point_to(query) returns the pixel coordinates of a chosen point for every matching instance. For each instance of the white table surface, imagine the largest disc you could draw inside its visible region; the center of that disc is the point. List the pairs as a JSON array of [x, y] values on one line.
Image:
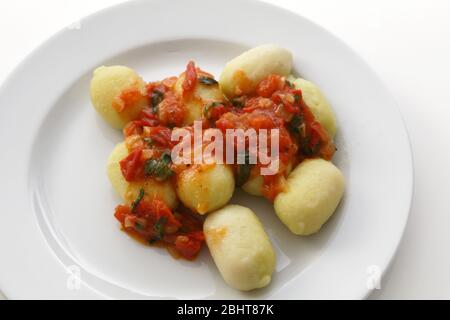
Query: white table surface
[[406, 42]]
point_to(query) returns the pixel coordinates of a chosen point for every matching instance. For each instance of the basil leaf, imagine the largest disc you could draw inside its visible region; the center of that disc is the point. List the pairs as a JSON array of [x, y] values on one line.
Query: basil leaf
[[138, 200], [207, 81], [243, 173], [307, 149], [159, 227], [238, 102], [295, 123], [210, 106], [159, 168], [243, 170], [157, 97], [138, 226]]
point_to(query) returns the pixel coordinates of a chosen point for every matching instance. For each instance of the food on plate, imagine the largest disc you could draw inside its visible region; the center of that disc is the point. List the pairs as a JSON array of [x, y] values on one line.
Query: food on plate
[[205, 187], [242, 74], [152, 221], [313, 191], [113, 171], [205, 91], [190, 140], [318, 104], [254, 184], [129, 191], [240, 247], [118, 94]]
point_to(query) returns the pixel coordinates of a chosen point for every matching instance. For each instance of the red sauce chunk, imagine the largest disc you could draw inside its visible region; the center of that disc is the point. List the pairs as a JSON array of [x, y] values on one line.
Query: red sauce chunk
[[190, 79], [127, 99], [153, 222]]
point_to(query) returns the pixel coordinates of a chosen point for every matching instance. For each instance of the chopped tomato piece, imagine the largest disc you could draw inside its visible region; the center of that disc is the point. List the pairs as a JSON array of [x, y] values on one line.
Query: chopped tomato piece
[[190, 79], [127, 99], [136, 126], [132, 166], [161, 136], [269, 85], [171, 111], [189, 245]]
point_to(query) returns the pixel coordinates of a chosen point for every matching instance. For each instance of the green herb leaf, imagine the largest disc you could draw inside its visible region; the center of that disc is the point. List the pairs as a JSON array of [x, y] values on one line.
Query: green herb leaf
[[210, 106], [238, 102], [157, 97], [295, 123], [243, 170], [159, 227], [207, 81], [296, 98], [138, 226], [138, 200], [307, 149], [159, 168]]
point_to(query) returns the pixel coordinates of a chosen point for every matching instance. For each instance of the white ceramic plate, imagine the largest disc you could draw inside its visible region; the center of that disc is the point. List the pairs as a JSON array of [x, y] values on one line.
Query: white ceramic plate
[[57, 204]]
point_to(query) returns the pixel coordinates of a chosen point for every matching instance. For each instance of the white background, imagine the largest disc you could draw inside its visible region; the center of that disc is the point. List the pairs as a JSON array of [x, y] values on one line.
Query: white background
[[406, 42]]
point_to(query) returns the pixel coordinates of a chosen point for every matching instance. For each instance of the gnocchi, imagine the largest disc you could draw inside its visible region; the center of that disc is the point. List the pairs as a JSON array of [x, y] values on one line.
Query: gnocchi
[[129, 191], [114, 173], [205, 188], [242, 74], [240, 247], [254, 185], [314, 190], [118, 94], [318, 104], [203, 94]]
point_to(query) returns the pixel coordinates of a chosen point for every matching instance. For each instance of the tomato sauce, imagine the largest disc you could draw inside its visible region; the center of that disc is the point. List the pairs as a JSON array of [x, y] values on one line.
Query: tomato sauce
[[154, 222], [274, 104]]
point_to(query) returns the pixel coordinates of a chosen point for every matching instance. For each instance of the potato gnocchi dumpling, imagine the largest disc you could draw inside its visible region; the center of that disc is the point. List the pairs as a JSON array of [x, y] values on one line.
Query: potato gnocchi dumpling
[[255, 183], [240, 247], [118, 94], [242, 74], [129, 191], [206, 91], [114, 173], [206, 187], [153, 189], [314, 190], [318, 104]]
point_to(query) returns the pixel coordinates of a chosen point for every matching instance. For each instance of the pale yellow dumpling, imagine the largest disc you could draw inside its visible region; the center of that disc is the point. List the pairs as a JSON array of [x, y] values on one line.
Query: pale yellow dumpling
[[318, 104], [240, 247], [130, 191], [153, 189], [242, 74], [254, 185], [107, 85], [206, 187], [113, 171], [313, 191], [202, 95]]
